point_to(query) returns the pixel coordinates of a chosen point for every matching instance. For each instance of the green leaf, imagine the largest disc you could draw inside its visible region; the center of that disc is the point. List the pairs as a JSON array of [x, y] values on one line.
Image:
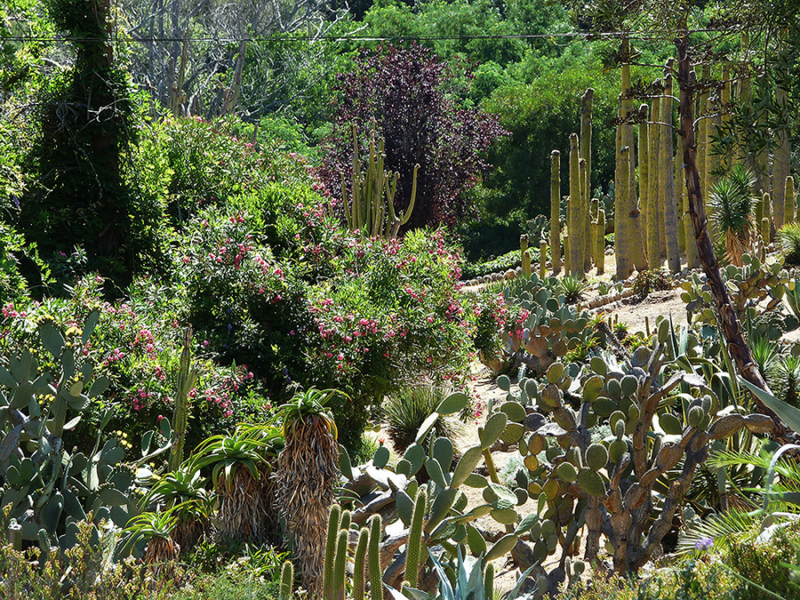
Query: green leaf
[[787, 413], [51, 338], [345, 466], [493, 429], [454, 403], [91, 323]]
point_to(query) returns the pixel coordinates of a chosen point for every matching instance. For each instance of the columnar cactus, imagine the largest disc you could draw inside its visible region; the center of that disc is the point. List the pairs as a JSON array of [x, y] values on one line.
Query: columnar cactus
[[653, 189], [555, 211], [542, 259], [692, 258], [585, 216], [575, 224], [780, 161], [586, 155], [415, 546], [667, 173], [287, 581], [374, 552], [767, 211], [623, 250], [600, 242], [702, 142], [631, 212], [789, 200], [524, 255], [644, 171]]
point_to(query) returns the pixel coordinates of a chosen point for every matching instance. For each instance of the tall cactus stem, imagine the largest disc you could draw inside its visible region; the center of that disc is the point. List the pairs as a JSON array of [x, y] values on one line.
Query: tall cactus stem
[[542, 259], [644, 170], [585, 217], [575, 225], [287, 580], [668, 170], [600, 241], [766, 207], [359, 564], [780, 161], [565, 241], [488, 582], [555, 211], [525, 256], [586, 155], [374, 556], [653, 189], [186, 379], [340, 566], [789, 200], [413, 549], [330, 551], [765, 231]]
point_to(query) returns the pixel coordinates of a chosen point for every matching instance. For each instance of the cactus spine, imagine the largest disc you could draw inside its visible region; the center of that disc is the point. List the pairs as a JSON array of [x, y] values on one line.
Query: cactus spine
[[789, 200], [287, 579], [330, 551], [555, 210], [586, 155], [187, 377], [542, 259], [413, 551], [600, 241], [359, 563], [644, 171], [524, 255], [668, 195], [575, 226], [374, 555], [653, 227]]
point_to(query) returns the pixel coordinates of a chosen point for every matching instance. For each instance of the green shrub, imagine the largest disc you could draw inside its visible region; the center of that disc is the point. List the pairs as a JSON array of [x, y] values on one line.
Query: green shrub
[[788, 240], [766, 564]]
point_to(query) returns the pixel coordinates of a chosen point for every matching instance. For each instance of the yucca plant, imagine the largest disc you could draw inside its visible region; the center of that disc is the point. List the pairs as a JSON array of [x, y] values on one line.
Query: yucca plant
[[731, 205], [765, 352], [405, 411], [186, 489], [572, 288], [306, 478], [788, 241], [241, 464]]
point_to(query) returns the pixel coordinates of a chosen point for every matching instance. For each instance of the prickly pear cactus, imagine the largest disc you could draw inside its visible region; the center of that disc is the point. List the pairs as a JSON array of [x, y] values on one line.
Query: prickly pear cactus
[[750, 287], [49, 487], [658, 415]]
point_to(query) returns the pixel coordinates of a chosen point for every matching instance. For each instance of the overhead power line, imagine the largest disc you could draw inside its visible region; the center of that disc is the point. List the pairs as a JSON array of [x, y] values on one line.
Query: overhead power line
[[346, 38]]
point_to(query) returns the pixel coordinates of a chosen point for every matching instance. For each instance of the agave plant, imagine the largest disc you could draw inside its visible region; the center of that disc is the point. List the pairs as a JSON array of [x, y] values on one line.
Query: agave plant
[[154, 529], [306, 478], [241, 464], [184, 489], [731, 210], [572, 288]]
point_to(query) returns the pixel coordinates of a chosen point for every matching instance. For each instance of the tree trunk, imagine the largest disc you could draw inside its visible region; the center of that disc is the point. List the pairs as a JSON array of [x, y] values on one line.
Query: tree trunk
[[729, 324]]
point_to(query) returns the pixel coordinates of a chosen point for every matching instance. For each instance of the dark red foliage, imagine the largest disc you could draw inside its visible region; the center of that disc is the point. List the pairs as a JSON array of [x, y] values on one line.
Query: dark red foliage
[[402, 90]]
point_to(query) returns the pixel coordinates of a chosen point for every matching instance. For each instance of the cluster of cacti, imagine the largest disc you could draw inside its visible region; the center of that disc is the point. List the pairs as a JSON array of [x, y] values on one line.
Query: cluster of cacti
[[609, 485], [750, 287], [47, 488], [551, 329], [365, 558], [370, 207]]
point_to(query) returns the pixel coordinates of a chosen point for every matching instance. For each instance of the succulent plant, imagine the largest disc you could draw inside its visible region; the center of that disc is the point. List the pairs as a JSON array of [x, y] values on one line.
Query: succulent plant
[[47, 488], [610, 485]]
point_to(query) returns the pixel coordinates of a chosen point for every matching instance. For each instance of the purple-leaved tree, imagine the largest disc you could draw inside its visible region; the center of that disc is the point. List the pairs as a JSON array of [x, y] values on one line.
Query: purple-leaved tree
[[403, 91]]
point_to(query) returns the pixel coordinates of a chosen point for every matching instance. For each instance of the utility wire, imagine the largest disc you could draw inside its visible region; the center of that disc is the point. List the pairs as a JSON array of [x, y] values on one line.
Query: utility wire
[[345, 38]]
